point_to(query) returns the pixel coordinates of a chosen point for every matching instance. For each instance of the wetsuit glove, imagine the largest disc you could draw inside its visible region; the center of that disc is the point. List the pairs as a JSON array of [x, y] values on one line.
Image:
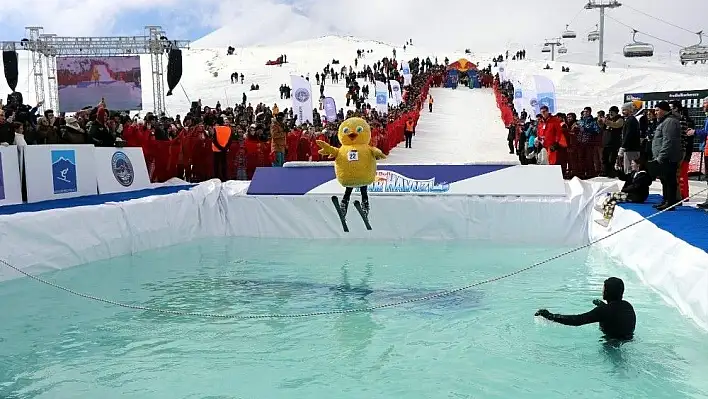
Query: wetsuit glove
[[598, 302], [543, 313]]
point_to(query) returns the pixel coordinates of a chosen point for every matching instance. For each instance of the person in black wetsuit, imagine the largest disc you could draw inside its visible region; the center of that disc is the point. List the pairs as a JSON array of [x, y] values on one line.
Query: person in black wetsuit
[[616, 317]]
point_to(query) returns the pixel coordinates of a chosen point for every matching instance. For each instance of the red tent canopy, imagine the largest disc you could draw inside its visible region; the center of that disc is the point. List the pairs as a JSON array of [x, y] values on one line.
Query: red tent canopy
[[462, 65]]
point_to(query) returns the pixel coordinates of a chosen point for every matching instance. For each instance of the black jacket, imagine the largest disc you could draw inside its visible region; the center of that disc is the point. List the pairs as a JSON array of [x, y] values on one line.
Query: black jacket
[[631, 140], [688, 141], [100, 135], [7, 135], [636, 185], [612, 136]]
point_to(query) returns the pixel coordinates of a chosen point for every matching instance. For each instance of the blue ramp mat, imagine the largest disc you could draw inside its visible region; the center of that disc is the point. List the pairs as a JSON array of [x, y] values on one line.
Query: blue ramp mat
[[89, 200], [688, 223]]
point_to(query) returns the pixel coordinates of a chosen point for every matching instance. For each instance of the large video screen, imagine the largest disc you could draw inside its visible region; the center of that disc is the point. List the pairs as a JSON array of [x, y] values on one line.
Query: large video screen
[[84, 81]]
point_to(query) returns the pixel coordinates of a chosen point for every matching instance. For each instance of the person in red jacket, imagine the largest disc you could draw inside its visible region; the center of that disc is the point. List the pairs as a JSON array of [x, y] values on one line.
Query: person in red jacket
[[549, 128]]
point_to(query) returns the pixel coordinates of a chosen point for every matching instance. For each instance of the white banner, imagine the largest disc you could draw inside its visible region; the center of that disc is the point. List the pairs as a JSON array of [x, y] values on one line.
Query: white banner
[[405, 68], [396, 90], [302, 99], [519, 104], [381, 97], [502, 72], [10, 182], [121, 169], [59, 171], [406, 72], [545, 93]]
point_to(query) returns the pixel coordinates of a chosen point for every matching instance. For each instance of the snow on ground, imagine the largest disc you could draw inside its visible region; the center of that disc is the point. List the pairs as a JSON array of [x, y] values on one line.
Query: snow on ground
[[464, 127], [584, 86]]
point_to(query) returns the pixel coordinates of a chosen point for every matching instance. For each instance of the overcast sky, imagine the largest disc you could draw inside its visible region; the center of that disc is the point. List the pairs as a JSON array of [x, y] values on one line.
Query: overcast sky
[[454, 23]]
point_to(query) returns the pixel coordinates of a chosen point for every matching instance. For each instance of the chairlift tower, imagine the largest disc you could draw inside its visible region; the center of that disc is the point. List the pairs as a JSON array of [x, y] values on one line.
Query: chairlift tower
[[47, 47], [602, 5], [553, 43]]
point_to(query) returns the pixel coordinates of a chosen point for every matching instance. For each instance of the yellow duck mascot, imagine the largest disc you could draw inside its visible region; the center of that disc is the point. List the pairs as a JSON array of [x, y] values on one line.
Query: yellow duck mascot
[[354, 161]]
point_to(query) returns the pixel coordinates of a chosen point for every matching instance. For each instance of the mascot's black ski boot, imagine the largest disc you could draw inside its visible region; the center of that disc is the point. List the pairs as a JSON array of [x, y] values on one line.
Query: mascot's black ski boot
[[363, 209], [344, 206]]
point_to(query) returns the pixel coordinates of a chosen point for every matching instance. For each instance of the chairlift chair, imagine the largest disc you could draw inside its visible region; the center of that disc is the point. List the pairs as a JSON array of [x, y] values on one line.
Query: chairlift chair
[[569, 34], [637, 48], [696, 53], [594, 35], [546, 49], [562, 50]]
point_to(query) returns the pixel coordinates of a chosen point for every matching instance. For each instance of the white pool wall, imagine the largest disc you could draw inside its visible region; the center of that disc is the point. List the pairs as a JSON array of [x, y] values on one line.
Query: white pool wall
[[61, 238]]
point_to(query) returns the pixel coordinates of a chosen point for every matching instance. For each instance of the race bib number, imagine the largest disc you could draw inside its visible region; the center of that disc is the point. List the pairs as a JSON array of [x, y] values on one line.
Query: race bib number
[[353, 155]]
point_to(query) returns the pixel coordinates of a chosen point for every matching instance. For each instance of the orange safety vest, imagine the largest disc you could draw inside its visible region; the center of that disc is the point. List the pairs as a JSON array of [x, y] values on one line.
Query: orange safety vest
[[430, 100], [222, 136], [409, 125]]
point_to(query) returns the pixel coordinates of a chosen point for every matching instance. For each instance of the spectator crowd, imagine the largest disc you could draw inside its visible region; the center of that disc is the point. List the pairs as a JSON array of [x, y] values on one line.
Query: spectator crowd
[[231, 142], [190, 146], [617, 143]]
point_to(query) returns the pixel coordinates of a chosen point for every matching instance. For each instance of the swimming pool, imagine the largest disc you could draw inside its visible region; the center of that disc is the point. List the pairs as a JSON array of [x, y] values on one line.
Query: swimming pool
[[483, 343]]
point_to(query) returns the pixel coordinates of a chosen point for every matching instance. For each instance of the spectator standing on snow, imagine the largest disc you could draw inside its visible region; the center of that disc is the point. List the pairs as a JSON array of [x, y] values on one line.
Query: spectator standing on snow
[[611, 141], [631, 141], [668, 153], [278, 140], [702, 136]]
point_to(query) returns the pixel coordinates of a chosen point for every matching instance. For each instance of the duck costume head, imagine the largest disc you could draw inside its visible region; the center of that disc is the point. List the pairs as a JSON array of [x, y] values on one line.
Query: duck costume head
[[355, 160]]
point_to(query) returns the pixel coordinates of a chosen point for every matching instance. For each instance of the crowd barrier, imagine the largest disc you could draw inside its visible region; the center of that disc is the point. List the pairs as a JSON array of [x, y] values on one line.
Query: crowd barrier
[[66, 171], [189, 156]]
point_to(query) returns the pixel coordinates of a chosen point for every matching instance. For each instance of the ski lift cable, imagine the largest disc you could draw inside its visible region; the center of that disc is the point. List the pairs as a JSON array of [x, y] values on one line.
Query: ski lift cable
[[576, 16], [644, 33], [664, 21]]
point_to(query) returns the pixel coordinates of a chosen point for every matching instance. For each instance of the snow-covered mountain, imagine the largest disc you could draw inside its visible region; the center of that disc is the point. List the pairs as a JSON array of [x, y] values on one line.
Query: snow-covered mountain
[[584, 85]]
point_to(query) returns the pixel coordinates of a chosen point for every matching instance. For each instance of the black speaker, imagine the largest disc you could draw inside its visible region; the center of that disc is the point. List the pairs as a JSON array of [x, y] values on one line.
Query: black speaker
[[174, 69], [9, 63]]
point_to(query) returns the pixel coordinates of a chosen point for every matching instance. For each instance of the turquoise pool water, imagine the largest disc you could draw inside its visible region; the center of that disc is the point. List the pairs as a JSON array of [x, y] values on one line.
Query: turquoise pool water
[[484, 343]]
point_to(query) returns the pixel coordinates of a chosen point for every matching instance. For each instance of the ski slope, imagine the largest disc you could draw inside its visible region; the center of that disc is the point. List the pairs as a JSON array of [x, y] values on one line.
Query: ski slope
[[464, 127]]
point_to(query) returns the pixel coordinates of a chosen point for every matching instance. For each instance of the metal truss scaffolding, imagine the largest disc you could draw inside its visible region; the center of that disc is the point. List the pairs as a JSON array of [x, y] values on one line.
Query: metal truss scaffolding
[[45, 48]]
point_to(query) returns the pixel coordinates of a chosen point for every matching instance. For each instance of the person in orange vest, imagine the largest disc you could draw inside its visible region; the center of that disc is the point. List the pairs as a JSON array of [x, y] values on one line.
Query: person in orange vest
[[409, 131], [220, 147], [430, 103]]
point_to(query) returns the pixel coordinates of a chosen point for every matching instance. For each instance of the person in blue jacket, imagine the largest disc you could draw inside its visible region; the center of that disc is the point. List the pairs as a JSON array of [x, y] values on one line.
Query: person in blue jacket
[[702, 136]]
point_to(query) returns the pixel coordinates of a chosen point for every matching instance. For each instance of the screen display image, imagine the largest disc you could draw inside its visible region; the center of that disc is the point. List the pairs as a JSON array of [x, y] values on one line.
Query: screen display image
[[84, 81]]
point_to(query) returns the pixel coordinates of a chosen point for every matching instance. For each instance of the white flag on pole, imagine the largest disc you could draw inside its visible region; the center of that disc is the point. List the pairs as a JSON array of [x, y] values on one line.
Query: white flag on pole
[[381, 97], [396, 90], [302, 99]]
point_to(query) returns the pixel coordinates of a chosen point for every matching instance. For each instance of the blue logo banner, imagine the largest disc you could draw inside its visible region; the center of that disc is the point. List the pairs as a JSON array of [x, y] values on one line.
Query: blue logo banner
[[2, 181], [381, 98], [547, 99], [64, 171], [389, 178]]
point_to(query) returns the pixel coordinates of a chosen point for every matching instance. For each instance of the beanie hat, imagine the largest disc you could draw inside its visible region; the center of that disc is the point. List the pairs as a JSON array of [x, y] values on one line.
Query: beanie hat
[[628, 106], [101, 115], [664, 106], [614, 109]]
